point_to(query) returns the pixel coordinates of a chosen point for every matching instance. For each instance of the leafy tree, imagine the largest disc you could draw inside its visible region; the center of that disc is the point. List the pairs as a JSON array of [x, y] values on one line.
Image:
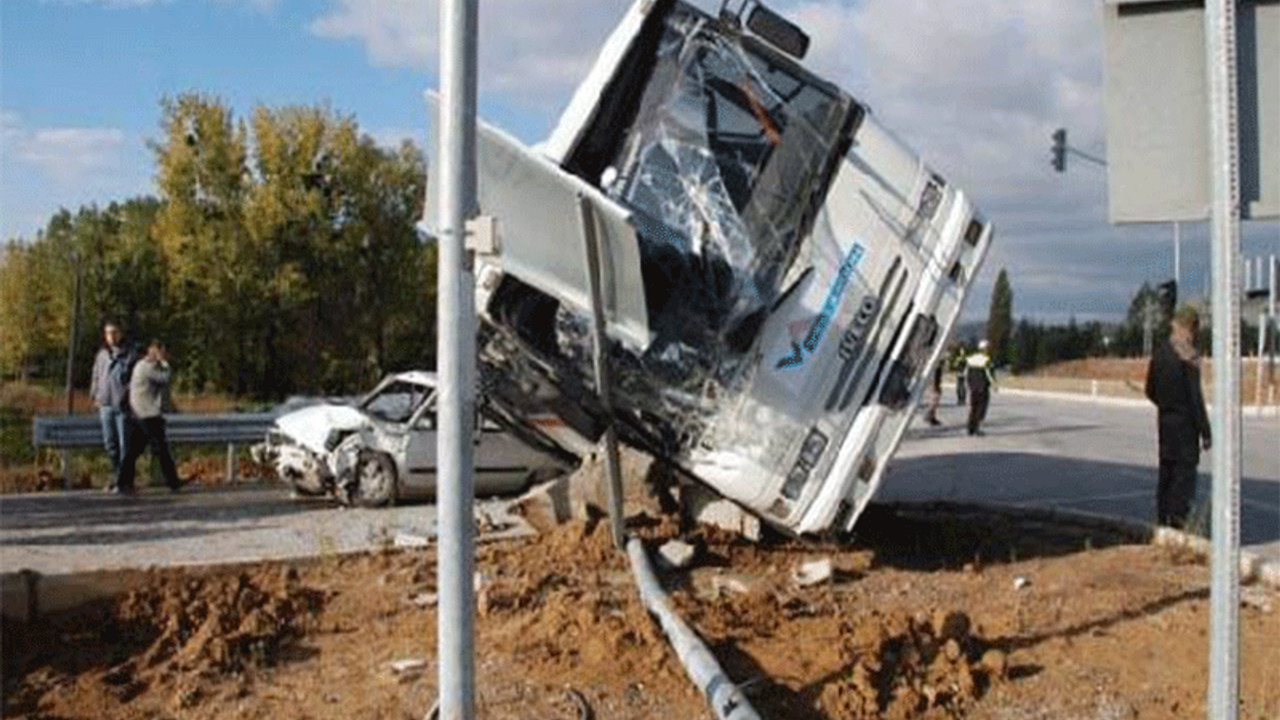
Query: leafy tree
[[35, 303], [1000, 319], [281, 256], [294, 267]]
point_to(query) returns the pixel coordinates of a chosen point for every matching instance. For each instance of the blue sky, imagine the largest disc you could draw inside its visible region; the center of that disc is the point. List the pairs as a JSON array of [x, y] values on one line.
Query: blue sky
[[976, 86]]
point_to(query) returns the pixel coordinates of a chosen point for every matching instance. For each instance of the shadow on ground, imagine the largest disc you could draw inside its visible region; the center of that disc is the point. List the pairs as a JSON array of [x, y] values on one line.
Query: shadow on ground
[[1035, 481]]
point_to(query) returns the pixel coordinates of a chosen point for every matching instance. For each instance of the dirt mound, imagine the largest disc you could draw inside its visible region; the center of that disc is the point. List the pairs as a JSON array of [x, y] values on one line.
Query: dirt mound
[[25, 479], [1068, 624], [176, 631], [902, 667], [216, 623], [567, 604]]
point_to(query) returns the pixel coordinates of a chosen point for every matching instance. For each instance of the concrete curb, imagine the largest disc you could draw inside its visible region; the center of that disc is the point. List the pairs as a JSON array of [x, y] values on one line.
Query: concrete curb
[[27, 593], [1253, 568], [1256, 411]]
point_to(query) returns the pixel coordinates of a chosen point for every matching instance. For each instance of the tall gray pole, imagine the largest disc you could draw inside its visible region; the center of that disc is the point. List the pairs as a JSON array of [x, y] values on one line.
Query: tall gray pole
[[1177, 258], [456, 155], [73, 335], [1224, 604]]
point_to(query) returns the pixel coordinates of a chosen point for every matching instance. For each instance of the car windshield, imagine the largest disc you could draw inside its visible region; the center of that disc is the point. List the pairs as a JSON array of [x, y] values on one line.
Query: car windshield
[[397, 401]]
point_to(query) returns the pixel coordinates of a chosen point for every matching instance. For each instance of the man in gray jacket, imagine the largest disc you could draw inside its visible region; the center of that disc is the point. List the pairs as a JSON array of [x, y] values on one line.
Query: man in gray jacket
[[110, 391], [149, 399]]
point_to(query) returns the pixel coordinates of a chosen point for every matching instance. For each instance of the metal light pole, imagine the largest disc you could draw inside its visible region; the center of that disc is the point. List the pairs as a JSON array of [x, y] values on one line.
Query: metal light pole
[[1224, 641], [74, 333], [1177, 254], [456, 347]]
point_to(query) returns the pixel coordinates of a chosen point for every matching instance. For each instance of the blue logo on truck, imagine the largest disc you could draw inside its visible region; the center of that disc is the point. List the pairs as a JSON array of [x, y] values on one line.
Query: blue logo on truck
[[819, 327]]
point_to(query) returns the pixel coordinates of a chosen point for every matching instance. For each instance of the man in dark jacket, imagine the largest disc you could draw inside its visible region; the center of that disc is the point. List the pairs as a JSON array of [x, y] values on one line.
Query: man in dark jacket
[[1173, 384]]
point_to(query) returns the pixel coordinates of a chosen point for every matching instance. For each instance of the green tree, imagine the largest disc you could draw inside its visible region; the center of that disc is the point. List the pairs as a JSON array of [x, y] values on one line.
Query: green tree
[[296, 267], [1000, 319], [212, 269]]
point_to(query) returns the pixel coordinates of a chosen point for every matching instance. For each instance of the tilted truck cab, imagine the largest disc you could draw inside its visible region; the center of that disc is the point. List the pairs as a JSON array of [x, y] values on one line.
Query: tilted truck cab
[[778, 271]]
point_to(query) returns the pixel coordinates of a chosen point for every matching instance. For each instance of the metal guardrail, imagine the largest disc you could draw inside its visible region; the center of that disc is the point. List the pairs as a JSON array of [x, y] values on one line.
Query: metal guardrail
[[78, 431], [84, 431]]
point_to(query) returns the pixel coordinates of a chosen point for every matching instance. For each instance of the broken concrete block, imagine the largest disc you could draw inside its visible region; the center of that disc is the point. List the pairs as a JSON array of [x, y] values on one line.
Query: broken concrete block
[[408, 667], [676, 554], [812, 572], [703, 506], [425, 599], [568, 497], [714, 583]]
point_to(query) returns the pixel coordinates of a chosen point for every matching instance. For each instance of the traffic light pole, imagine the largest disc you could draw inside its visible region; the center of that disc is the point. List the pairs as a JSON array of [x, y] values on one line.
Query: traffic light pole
[[1060, 149]]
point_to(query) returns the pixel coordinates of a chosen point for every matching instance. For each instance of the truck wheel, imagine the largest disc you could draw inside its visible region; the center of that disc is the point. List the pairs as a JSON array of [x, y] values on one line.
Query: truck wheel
[[375, 480]]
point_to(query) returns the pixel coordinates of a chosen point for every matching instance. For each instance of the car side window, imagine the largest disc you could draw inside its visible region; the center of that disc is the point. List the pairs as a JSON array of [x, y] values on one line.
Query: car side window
[[397, 402]]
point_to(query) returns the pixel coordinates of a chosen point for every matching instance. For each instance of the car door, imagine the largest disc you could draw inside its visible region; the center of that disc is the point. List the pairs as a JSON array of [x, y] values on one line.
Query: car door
[[503, 463], [419, 471]]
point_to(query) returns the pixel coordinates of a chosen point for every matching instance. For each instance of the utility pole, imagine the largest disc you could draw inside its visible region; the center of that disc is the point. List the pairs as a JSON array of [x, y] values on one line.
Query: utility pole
[[1177, 253], [1224, 225], [456, 346], [74, 334]]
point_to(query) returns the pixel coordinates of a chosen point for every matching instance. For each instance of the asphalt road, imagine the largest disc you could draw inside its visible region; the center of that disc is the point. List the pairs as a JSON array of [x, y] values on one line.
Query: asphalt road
[[1086, 455], [1038, 451]]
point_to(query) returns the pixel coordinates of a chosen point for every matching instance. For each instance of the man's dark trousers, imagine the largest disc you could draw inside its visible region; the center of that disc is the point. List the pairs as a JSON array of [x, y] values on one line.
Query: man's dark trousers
[[979, 399], [1179, 457], [148, 432]]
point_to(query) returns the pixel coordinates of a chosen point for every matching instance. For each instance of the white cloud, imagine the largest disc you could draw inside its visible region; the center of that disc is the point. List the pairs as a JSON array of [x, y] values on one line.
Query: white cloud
[[976, 86], [44, 168], [69, 155], [261, 5], [532, 52], [392, 137]]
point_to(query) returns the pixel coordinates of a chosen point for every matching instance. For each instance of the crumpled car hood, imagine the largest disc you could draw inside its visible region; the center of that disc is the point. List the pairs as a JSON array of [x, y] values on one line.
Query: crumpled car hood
[[310, 427]]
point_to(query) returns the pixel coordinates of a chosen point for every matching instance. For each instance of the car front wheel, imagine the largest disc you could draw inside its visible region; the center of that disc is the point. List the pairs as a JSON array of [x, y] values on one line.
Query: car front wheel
[[375, 481]]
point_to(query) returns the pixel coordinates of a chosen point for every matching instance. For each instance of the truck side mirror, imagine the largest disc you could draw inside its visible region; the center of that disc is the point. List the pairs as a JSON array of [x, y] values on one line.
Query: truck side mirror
[[778, 31]]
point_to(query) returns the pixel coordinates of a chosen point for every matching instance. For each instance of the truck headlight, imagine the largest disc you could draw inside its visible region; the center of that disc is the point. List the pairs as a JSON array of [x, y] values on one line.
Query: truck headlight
[[810, 452]]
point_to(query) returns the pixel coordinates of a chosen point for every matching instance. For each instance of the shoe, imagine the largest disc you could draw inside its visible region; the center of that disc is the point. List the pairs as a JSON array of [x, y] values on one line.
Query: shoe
[[933, 421], [126, 491], [109, 488], [182, 482]]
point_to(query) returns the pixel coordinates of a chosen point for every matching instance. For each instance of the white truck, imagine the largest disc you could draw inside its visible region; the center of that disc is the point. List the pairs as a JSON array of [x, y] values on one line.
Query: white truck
[[778, 272]]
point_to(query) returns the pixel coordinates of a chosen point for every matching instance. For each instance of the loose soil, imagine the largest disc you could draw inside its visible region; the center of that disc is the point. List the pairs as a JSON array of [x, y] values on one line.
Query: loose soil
[[931, 612]]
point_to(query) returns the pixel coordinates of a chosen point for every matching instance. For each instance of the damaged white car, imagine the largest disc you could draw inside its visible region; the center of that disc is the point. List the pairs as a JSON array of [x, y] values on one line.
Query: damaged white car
[[384, 447]]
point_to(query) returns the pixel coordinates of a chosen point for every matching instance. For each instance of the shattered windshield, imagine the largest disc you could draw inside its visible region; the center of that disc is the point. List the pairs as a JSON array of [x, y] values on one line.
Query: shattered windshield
[[726, 165], [397, 401]]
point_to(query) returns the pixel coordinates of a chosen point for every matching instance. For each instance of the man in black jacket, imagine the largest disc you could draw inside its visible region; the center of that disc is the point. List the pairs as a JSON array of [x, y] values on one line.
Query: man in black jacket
[[1173, 384]]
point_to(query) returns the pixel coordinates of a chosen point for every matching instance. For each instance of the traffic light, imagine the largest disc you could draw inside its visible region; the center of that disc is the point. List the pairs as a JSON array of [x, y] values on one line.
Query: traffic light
[[1059, 149]]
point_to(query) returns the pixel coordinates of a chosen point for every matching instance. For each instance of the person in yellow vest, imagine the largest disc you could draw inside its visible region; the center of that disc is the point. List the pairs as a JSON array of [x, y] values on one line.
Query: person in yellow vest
[[980, 381]]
